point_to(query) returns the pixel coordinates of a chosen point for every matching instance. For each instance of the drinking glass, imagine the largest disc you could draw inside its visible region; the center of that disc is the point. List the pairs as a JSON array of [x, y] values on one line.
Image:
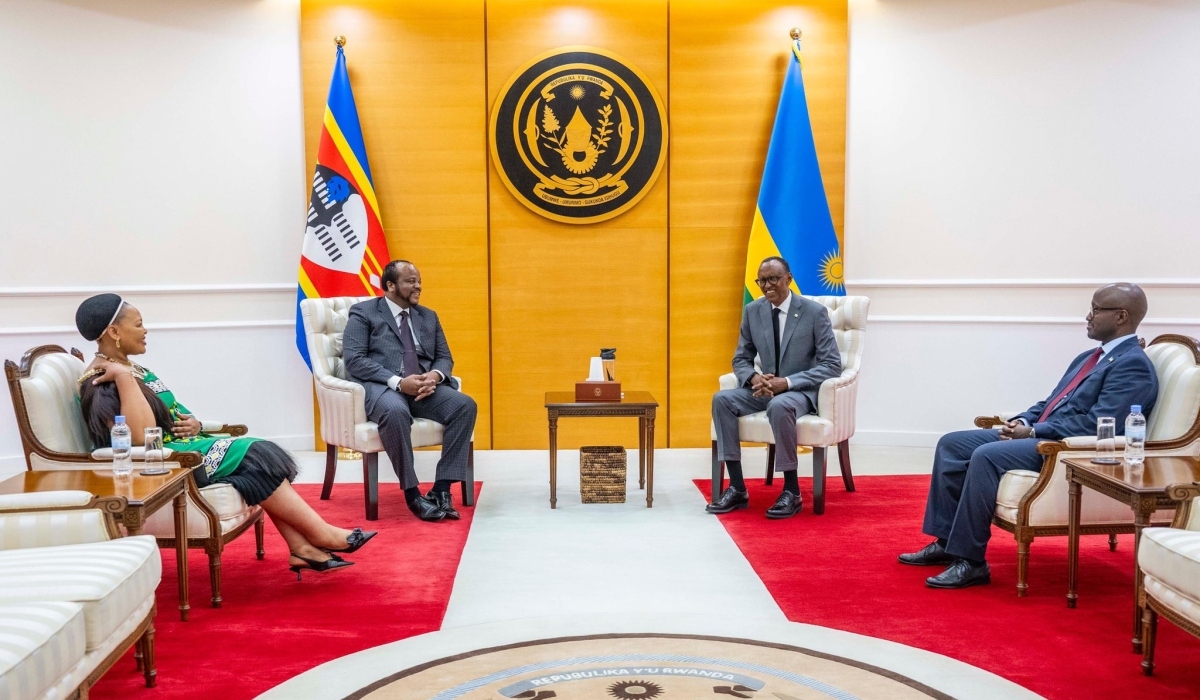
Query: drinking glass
[[154, 452], [1106, 441]]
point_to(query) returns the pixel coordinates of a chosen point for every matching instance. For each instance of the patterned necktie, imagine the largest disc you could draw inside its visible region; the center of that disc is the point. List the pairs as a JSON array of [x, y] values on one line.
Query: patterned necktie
[[411, 365], [775, 332], [1079, 376]]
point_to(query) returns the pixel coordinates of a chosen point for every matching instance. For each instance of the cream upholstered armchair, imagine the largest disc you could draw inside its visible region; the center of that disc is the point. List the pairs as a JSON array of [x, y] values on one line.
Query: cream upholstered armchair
[[1170, 562], [45, 396], [833, 423], [342, 402], [1033, 504], [73, 596]]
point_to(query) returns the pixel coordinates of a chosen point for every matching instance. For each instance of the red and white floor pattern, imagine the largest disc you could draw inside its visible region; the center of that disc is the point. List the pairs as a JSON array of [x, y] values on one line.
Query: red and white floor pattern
[[811, 607]]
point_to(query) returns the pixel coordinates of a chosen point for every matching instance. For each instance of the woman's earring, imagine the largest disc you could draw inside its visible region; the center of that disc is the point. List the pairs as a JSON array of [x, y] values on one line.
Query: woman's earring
[[118, 343]]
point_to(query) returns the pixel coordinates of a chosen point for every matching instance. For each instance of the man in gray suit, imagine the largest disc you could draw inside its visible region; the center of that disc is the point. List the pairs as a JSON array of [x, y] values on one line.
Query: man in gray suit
[[398, 352], [786, 349]]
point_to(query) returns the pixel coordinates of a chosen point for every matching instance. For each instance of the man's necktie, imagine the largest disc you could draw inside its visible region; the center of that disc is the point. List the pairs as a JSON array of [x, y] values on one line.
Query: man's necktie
[[1079, 376], [775, 332], [411, 365]]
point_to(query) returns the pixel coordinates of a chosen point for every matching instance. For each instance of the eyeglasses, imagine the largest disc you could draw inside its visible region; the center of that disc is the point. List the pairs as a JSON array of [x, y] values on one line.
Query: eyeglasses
[[772, 280], [1098, 309]]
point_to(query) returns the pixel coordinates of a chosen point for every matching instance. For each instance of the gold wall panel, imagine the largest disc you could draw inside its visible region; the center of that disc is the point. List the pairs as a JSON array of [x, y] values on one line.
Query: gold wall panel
[[560, 292], [727, 64], [525, 300], [416, 68]]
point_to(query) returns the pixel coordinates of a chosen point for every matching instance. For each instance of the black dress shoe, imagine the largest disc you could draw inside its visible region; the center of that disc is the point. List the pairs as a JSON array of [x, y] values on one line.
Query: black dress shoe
[[787, 505], [730, 500], [933, 553], [355, 541], [961, 574], [426, 510], [445, 501]]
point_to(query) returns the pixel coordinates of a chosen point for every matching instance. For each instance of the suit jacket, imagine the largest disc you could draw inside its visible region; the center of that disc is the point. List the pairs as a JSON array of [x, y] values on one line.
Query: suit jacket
[[1123, 377], [372, 351], [808, 351]]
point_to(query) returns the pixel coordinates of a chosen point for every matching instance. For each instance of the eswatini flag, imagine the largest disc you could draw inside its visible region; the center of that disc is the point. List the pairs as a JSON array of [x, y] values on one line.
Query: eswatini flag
[[344, 248]]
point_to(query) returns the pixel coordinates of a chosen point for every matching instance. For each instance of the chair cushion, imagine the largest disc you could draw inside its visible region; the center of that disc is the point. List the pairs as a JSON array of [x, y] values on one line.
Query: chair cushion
[[110, 579], [1171, 558], [230, 506], [811, 430], [425, 433], [39, 644], [1013, 487], [1178, 391], [51, 397]]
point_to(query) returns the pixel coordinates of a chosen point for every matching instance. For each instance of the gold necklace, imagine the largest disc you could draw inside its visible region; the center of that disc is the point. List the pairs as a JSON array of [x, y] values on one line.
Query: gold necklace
[[138, 370]]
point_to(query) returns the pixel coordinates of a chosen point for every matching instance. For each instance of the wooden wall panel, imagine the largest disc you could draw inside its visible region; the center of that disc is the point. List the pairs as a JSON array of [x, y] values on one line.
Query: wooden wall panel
[[417, 69], [727, 64], [560, 292]]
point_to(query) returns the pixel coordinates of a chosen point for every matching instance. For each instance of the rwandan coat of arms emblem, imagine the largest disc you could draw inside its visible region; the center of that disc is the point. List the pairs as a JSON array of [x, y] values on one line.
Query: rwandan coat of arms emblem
[[578, 135]]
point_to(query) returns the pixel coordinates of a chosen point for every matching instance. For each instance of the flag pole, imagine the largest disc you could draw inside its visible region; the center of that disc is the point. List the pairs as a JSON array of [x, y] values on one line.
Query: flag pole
[[794, 33]]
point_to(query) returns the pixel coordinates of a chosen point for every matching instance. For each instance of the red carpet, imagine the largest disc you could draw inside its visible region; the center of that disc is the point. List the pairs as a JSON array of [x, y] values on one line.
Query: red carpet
[[271, 627], [839, 570]]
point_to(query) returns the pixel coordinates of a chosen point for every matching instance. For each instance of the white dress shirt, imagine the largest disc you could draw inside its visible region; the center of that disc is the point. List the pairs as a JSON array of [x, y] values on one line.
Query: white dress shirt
[[783, 319], [394, 382]]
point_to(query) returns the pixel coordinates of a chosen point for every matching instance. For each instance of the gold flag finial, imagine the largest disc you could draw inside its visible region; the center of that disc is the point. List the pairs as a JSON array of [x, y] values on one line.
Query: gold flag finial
[[795, 33], [341, 40]]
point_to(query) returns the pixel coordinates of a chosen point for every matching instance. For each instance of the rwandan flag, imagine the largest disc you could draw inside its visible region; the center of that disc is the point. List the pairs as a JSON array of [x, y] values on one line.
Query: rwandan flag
[[792, 218], [344, 248]]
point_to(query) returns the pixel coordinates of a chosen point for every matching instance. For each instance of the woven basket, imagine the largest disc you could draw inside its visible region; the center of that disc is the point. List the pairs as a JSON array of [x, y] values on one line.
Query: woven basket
[[602, 474]]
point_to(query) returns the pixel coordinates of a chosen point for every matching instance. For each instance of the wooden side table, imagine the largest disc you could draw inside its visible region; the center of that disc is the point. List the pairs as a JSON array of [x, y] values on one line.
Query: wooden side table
[[636, 404], [145, 495], [1145, 490]]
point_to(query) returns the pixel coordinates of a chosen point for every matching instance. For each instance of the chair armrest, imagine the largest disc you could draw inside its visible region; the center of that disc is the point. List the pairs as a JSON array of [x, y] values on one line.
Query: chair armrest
[[459, 380], [995, 421], [45, 500], [343, 405], [837, 400], [728, 381], [1088, 442], [184, 459], [213, 427], [1186, 495]]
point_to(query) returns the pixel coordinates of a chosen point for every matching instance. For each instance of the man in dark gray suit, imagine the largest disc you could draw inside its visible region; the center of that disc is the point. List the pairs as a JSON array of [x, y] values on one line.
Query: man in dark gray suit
[[792, 340], [398, 352]]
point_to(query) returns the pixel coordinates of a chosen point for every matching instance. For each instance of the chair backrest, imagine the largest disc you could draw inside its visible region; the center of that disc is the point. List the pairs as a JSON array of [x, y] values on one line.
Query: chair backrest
[[324, 323], [1176, 414], [849, 318], [45, 395]]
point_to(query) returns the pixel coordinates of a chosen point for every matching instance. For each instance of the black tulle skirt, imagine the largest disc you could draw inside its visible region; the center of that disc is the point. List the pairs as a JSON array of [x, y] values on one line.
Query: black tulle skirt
[[265, 466]]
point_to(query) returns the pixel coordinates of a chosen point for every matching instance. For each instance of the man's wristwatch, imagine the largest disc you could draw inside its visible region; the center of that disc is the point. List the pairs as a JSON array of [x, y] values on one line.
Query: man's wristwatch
[[1032, 432]]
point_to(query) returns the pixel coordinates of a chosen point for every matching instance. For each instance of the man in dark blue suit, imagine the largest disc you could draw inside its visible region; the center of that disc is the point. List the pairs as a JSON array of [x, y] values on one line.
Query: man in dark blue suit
[[968, 464]]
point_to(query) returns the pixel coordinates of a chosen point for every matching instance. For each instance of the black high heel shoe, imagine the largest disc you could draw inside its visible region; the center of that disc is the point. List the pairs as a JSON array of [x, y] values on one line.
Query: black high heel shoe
[[356, 540], [333, 562]]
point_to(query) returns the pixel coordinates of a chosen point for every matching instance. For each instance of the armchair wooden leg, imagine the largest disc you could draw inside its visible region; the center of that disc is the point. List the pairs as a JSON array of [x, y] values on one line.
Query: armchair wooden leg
[[371, 484], [330, 471], [1112, 543], [468, 486], [818, 481], [1149, 635], [214, 575], [718, 474], [770, 464], [1022, 568], [844, 463], [146, 646], [260, 527]]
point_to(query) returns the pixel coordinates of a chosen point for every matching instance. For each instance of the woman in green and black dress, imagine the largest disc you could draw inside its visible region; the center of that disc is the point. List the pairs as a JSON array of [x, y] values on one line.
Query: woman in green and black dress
[[259, 470]]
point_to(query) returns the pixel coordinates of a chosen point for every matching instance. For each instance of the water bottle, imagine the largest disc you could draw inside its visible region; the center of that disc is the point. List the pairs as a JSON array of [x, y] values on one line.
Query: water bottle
[[122, 447], [1135, 436]]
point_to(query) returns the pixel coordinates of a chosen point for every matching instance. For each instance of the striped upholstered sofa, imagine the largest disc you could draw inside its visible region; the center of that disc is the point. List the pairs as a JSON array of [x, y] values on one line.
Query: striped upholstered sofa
[[73, 596]]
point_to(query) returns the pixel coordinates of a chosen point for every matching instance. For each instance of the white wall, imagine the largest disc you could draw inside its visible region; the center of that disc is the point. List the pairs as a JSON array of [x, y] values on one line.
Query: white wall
[[1005, 157], [156, 149]]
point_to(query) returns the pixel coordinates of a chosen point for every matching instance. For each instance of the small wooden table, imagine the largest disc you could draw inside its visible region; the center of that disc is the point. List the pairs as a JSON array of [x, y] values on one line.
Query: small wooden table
[[1145, 490], [638, 404], [144, 494]]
